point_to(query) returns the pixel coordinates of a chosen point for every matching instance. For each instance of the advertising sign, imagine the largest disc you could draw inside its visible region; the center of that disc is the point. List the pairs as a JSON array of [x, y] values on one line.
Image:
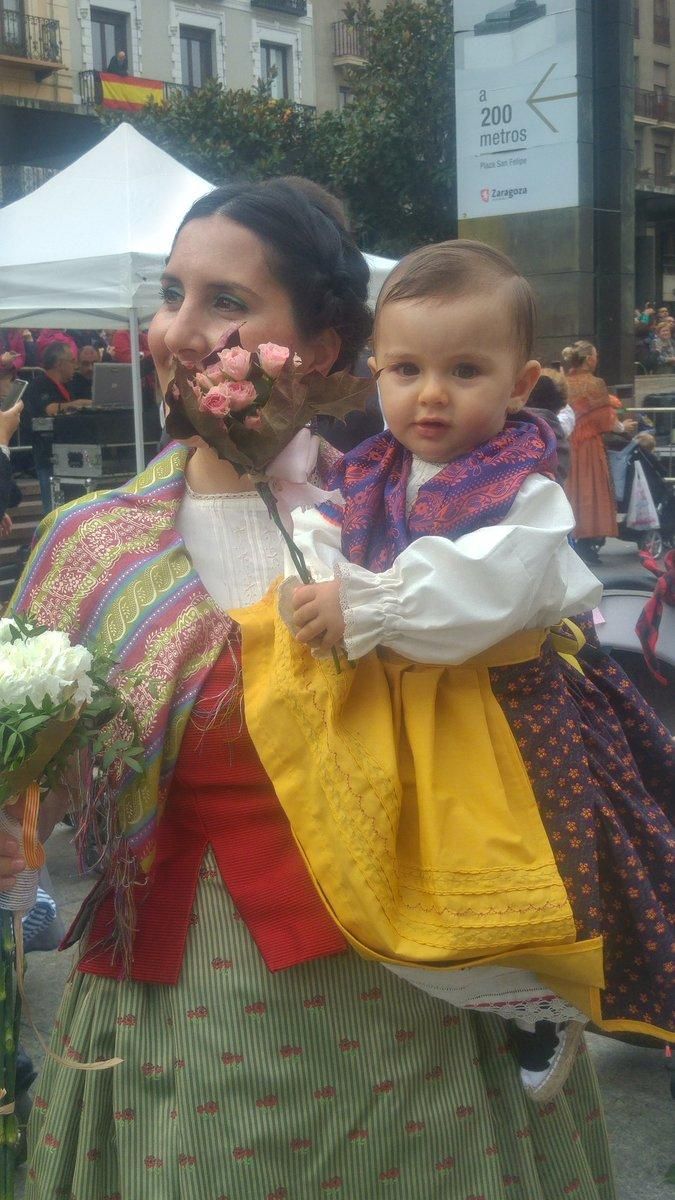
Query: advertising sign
[[516, 103]]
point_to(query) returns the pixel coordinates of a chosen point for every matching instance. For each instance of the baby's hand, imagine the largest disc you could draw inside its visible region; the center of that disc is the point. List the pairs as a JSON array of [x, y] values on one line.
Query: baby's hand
[[318, 615]]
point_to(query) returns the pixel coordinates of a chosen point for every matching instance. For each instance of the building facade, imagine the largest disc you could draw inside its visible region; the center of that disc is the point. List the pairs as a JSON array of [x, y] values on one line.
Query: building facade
[[339, 47], [37, 124], [52, 53], [654, 77], [182, 43]]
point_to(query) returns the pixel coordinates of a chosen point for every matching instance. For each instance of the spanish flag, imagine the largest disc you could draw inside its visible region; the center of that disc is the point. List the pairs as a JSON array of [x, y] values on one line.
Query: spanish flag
[[127, 92]]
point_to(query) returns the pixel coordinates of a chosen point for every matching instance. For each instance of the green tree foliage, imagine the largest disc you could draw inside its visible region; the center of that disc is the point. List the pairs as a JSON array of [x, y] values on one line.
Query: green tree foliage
[[228, 134], [389, 153]]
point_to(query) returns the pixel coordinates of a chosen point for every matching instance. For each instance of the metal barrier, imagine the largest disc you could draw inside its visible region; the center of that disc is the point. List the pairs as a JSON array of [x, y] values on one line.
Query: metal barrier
[[663, 420]]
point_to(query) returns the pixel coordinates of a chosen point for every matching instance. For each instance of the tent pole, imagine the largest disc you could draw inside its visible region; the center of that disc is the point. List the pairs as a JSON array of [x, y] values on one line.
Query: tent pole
[[137, 391]]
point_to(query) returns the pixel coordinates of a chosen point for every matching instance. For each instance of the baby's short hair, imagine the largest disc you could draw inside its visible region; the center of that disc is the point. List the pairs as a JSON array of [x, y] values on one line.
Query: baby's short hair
[[447, 270]]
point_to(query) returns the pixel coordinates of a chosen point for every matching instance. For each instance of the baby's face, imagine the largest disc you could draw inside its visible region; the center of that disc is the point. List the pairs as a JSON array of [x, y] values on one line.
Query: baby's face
[[447, 375]]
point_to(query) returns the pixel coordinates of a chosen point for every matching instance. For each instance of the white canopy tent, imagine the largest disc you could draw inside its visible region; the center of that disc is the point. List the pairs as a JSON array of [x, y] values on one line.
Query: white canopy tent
[[87, 249]]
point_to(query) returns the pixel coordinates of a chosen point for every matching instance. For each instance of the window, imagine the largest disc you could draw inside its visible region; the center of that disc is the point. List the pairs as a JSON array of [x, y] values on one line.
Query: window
[[345, 97], [661, 79], [661, 91], [662, 165], [638, 154], [662, 22], [274, 69], [196, 55], [636, 19], [12, 32], [108, 35]]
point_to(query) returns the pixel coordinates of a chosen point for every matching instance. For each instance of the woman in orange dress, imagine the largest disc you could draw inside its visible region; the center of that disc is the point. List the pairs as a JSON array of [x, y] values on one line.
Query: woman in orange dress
[[589, 485]]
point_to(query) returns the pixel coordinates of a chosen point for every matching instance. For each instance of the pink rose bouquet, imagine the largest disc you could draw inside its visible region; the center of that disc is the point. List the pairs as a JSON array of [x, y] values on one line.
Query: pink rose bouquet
[[248, 405]]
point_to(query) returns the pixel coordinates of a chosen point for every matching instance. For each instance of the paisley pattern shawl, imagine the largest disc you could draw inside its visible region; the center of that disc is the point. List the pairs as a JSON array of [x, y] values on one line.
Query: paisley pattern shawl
[[110, 568], [473, 491]]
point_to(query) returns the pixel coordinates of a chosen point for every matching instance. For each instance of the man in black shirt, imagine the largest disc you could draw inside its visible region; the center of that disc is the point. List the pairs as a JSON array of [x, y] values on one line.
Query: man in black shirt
[[118, 63], [9, 492], [45, 398], [81, 383]]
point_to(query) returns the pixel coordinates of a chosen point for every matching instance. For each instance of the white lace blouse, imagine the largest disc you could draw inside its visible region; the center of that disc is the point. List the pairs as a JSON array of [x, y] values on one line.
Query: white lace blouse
[[235, 548]]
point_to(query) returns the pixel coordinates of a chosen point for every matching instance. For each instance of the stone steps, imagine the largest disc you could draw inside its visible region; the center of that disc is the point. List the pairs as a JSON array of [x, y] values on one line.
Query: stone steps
[[13, 549]]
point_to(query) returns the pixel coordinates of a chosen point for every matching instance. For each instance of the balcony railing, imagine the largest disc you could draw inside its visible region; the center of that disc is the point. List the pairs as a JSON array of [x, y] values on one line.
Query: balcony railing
[[662, 31], [294, 8], [657, 106], [650, 181], [91, 93], [171, 90], [349, 41], [33, 39]]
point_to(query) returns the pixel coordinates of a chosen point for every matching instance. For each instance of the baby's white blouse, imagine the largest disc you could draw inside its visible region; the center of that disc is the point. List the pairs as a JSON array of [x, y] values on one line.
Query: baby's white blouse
[[444, 601]]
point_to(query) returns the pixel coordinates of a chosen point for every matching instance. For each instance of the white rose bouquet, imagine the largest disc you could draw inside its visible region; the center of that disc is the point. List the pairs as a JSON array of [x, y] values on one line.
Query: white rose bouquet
[[55, 700]]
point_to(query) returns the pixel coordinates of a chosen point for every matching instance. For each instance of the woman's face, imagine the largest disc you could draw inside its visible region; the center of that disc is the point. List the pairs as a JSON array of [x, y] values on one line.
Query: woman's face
[[218, 273]]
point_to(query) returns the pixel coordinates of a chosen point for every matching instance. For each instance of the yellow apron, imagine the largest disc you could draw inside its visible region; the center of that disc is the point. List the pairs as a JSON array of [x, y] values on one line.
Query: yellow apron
[[410, 803]]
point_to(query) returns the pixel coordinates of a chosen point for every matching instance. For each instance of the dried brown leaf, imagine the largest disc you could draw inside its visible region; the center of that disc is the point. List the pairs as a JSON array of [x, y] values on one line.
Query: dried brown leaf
[[292, 404]]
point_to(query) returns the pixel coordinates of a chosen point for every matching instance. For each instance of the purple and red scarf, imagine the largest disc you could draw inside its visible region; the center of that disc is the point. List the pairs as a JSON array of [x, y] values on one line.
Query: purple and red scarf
[[473, 491]]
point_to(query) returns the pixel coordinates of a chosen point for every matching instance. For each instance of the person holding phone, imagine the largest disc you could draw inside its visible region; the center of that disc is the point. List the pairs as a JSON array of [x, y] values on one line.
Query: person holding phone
[[48, 396], [9, 492]]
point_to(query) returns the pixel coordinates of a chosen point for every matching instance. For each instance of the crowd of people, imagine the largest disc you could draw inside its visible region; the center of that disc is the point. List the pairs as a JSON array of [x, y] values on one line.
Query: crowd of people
[[58, 366], [305, 843], [569, 396], [654, 347]]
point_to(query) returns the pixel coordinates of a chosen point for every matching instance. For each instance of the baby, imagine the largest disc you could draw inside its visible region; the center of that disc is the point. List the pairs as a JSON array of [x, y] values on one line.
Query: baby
[[449, 545]]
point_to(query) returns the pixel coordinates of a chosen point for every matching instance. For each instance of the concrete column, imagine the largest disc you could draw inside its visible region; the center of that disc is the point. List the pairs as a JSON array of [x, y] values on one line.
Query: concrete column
[[580, 259], [614, 187]]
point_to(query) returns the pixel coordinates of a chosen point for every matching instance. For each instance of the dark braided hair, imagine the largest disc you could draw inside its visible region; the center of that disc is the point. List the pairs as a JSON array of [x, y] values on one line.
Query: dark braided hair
[[312, 253]]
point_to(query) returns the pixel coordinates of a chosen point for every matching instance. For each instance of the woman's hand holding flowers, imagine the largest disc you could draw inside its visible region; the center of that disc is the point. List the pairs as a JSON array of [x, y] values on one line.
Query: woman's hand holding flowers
[[11, 861], [53, 808]]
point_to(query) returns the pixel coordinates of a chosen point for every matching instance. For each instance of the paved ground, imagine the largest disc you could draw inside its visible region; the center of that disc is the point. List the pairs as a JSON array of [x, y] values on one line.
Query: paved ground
[[635, 1083], [619, 560]]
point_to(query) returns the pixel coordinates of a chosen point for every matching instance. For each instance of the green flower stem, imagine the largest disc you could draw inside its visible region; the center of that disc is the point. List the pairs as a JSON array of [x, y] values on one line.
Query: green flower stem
[[9, 1026], [264, 490]]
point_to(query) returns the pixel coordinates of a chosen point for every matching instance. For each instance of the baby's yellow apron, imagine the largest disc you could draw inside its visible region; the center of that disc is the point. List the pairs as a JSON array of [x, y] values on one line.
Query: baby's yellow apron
[[409, 800]]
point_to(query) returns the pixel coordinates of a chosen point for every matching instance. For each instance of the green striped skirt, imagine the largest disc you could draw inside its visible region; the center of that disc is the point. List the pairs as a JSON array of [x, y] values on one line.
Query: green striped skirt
[[330, 1078]]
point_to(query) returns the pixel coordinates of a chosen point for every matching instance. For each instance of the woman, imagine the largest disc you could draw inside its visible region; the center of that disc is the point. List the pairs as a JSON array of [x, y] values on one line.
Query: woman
[[663, 345], [589, 485], [548, 399], [261, 1058]]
